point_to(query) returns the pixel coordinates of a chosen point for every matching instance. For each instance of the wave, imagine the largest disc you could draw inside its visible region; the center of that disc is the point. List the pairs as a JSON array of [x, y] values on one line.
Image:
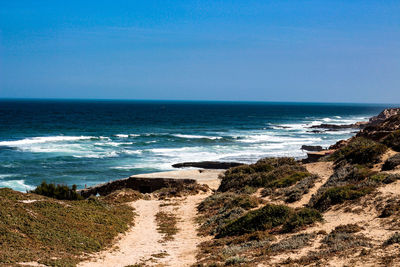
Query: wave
[[2, 176], [100, 155], [44, 139], [188, 136], [121, 135], [18, 185]]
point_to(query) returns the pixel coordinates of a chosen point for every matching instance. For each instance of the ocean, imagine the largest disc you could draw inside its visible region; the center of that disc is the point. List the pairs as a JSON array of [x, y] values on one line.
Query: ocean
[[86, 142]]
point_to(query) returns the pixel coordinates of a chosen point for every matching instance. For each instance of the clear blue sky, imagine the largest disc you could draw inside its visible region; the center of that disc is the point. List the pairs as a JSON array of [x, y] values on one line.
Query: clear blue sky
[[329, 51]]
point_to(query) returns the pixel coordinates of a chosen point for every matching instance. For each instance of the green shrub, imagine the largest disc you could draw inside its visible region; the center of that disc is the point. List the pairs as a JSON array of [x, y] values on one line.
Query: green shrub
[[61, 192], [269, 172], [359, 151], [394, 239], [295, 193], [268, 217], [262, 219], [290, 179], [304, 216], [393, 140], [343, 238], [221, 208], [391, 163], [347, 228], [292, 242], [227, 200], [338, 195]]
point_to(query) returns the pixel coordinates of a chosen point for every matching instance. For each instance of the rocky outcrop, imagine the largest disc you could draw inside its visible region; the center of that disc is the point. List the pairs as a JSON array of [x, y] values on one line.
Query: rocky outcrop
[[143, 185], [315, 156], [208, 164], [311, 148], [379, 130], [336, 127], [385, 114]]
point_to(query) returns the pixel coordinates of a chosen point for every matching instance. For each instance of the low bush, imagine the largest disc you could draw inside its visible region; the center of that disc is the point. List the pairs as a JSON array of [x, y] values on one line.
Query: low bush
[[301, 217], [341, 240], [391, 163], [294, 193], [394, 239], [359, 151], [123, 196], [292, 243], [227, 200], [347, 228], [393, 140], [61, 192], [268, 217], [221, 208], [391, 208], [338, 195], [268, 172]]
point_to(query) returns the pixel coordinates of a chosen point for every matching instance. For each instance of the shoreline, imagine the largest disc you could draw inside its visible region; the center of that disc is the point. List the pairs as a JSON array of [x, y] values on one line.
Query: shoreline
[[209, 176]]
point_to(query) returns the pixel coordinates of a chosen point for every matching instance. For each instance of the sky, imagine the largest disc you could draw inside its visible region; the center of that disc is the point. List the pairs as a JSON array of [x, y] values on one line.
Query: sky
[[295, 50]]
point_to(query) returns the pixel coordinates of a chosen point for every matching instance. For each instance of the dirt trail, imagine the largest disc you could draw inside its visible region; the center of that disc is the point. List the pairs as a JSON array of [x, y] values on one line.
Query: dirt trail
[[182, 250], [143, 243], [138, 244]]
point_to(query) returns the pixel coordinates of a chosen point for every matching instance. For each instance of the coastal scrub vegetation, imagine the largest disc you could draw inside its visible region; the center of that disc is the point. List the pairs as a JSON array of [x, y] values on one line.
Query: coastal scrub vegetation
[[359, 150], [54, 232], [265, 173], [220, 208], [61, 192], [392, 140], [391, 163], [269, 217]]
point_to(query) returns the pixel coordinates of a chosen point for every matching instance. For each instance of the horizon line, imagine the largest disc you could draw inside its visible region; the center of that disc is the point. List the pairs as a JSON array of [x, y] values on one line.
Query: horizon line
[[187, 100]]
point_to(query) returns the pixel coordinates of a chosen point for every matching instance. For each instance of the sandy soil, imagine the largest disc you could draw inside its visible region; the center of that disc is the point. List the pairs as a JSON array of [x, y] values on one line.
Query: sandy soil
[[138, 244], [143, 244], [182, 250]]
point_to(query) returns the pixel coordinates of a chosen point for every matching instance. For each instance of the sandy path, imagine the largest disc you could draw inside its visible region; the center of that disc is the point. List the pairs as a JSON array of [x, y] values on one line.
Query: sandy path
[[324, 170], [182, 250], [142, 242], [138, 244]]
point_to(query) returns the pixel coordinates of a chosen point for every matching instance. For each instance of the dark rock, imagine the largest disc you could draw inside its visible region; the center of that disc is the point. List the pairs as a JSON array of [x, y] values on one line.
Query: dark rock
[[208, 164], [316, 156], [143, 185], [335, 127], [311, 148]]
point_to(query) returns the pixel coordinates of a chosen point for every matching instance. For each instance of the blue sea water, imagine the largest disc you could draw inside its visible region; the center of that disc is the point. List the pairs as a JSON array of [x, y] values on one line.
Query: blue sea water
[[86, 142]]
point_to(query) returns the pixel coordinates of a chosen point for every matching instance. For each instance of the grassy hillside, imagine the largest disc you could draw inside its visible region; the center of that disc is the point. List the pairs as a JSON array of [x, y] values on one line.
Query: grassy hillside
[[55, 232]]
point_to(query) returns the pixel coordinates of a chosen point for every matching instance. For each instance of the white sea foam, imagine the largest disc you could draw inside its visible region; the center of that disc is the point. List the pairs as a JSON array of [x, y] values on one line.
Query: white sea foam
[[99, 155], [188, 136], [2, 176], [18, 185], [44, 139], [122, 135]]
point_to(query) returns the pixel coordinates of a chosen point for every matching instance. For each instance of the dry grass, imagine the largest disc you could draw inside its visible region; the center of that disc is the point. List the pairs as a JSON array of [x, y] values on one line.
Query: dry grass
[[167, 225]]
